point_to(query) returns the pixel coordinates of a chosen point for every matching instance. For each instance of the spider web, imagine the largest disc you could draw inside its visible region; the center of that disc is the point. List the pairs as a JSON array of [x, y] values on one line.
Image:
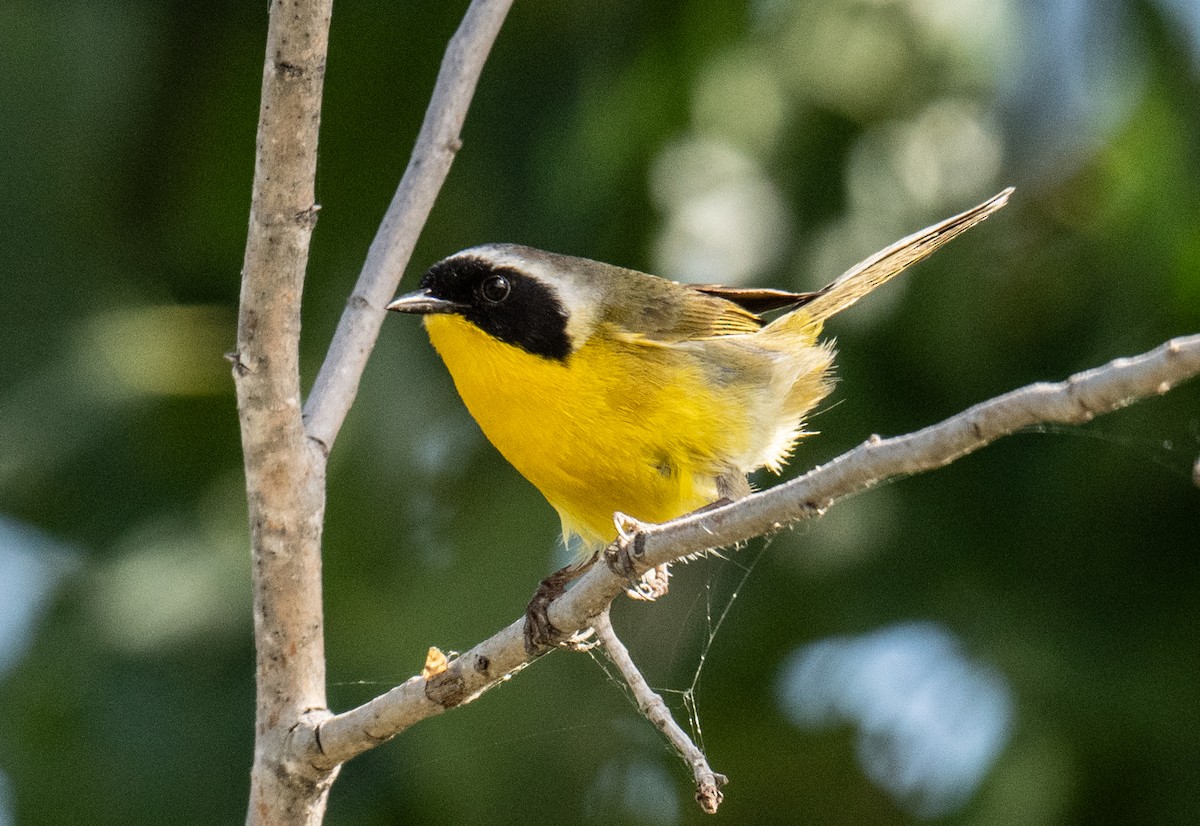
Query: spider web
[[717, 607]]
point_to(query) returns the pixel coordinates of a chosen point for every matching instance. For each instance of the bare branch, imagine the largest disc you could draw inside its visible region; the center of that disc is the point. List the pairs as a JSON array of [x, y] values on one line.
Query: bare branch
[[284, 486], [438, 142], [708, 782], [1076, 400], [285, 462]]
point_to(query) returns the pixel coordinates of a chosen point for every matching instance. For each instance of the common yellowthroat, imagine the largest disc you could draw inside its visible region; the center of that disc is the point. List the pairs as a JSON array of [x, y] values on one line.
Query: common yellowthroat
[[616, 391]]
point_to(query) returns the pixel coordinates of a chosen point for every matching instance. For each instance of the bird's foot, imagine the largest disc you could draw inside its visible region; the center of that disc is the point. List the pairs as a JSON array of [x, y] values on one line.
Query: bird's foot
[[653, 584], [624, 554], [624, 558], [540, 633]]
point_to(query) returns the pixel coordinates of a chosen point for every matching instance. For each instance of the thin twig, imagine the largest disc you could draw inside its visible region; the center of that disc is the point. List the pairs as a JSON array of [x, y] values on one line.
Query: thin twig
[[708, 782], [1075, 400], [437, 143]]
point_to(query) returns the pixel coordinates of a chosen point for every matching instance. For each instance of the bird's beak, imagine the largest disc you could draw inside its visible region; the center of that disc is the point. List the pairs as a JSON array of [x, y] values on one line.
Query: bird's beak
[[422, 303]]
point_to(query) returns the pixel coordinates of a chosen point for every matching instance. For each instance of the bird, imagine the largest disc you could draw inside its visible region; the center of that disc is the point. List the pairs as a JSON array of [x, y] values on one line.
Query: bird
[[620, 394]]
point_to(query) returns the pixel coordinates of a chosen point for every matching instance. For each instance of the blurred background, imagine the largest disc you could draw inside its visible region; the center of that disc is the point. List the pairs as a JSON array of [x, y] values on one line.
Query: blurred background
[[1009, 640]]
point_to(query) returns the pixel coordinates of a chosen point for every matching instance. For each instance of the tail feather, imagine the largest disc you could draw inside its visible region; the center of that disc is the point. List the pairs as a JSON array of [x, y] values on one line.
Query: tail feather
[[880, 267]]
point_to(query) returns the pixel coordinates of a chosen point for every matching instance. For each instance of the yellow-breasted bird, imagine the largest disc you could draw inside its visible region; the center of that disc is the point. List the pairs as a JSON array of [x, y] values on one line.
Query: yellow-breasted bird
[[616, 391]]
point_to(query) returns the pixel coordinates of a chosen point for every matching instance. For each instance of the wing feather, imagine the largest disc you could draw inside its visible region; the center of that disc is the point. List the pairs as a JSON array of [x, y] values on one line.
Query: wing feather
[[662, 311], [874, 271], [757, 300]]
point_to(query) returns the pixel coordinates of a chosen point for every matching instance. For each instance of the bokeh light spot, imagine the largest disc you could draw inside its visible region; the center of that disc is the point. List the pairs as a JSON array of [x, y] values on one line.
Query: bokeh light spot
[[930, 722]]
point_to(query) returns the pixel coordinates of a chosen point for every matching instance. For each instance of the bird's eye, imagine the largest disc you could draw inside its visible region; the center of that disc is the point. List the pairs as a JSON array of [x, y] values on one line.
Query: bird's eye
[[495, 289]]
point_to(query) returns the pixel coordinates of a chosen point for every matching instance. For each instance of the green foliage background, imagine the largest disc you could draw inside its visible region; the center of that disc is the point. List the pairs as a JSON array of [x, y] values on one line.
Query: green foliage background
[[1066, 562]]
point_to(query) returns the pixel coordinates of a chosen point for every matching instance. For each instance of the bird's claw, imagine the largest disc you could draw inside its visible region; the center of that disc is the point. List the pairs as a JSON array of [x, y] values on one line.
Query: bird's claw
[[623, 555], [584, 640], [624, 558], [540, 632], [653, 584], [628, 528]]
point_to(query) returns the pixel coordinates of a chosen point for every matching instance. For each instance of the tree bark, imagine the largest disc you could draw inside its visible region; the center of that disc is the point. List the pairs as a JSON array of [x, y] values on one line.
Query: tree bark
[[285, 461], [284, 479]]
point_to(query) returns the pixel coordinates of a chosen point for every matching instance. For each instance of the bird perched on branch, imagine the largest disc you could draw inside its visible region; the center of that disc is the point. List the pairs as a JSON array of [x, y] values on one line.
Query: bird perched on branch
[[620, 393]]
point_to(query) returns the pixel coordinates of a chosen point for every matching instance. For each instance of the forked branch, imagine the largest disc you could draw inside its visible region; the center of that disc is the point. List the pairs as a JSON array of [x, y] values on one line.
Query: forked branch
[[654, 709], [1073, 401], [284, 486], [285, 475], [437, 143]]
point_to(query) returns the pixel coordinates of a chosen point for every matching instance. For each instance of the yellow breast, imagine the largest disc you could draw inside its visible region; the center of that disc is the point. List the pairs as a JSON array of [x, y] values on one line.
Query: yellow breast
[[613, 428]]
